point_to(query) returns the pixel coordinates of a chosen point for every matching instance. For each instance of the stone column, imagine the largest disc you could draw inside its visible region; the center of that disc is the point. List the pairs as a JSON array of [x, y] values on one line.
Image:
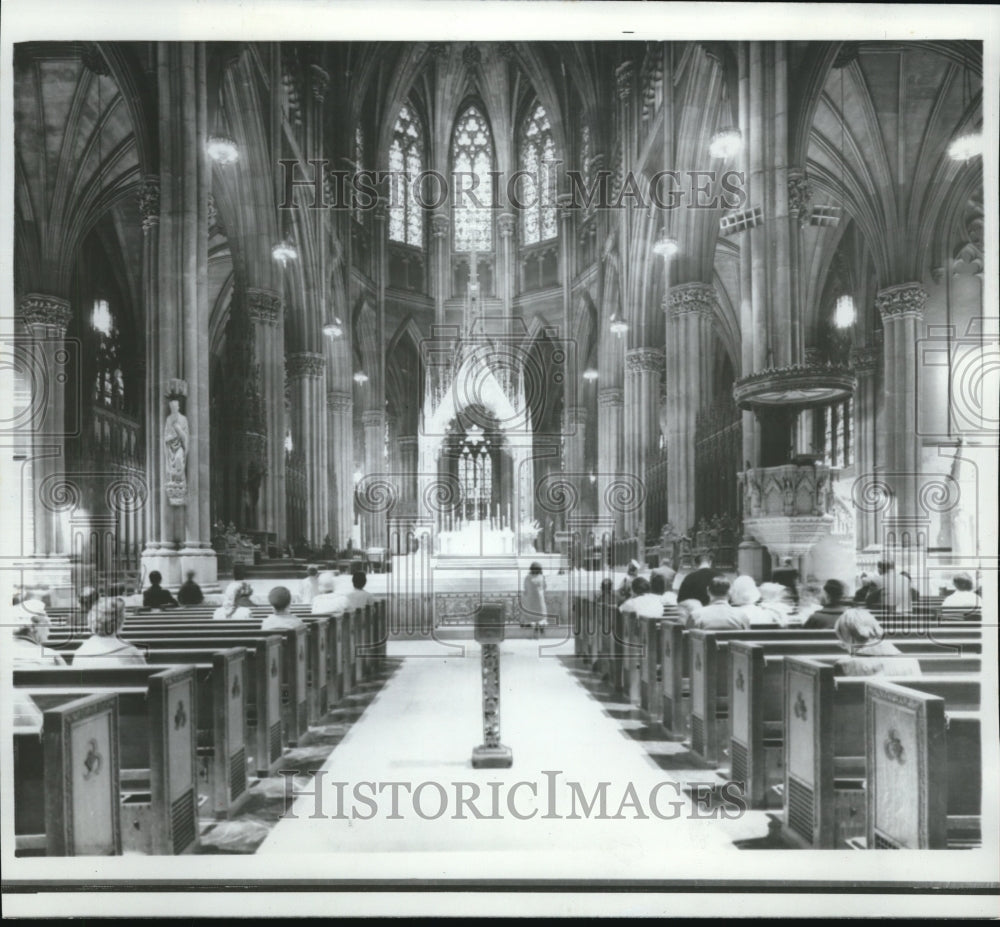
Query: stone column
[[306, 383], [689, 307], [149, 211], [506, 271], [181, 319], [610, 401], [265, 309], [865, 359], [439, 264], [373, 422], [902, 311], [642, 415], [46, 319], [340, 430], [408, 465]]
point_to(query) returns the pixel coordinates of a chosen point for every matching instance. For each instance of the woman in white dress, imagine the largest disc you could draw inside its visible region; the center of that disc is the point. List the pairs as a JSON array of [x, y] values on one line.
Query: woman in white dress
[[104, 649], [533, 610], [236, 603]]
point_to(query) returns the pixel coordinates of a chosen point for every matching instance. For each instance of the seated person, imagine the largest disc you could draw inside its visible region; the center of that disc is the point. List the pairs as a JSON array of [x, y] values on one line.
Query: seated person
[[834, 604], [236, 603], [687, 611], [310, 585], [104, 649], [240, 576], [719, 615], [156, 596], [864, 587], [329, 602], [870, 655], [644, 602], [695, 584], [788, 577], [625, 589], [810, 600], [190, 592], [664, 576], [280, 598], [31, 631], [963, 597], [359, 597], [744, 596], [873, 592], [776, 604], [607, 591]]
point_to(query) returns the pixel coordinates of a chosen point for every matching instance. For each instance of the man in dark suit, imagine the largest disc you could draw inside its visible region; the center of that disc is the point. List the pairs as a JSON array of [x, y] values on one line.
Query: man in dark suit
[[695, 584]]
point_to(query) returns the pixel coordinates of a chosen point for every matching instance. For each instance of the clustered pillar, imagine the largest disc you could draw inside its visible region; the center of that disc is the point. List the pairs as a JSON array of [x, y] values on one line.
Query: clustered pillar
[[306, 383]]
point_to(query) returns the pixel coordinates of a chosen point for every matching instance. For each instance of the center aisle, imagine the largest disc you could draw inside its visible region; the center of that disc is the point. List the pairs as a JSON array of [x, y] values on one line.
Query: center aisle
[[420, 731]]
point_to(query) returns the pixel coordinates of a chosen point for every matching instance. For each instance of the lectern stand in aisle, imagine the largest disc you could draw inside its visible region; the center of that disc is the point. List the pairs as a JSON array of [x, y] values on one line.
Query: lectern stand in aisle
[[489, 633]]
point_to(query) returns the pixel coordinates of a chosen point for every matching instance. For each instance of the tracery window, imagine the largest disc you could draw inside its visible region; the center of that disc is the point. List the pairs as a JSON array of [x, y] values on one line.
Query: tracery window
[[538, 191], [472, 156], [406, 156], [109, 383], [475, 477]]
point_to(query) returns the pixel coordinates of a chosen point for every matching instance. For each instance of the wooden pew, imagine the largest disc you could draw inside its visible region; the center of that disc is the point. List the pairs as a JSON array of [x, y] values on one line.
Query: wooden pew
[[710, 679], [265, 734], [756, 687], [824, 799], [221, 716], [157, 752], [924, 765], [67, 789], [292, 667]]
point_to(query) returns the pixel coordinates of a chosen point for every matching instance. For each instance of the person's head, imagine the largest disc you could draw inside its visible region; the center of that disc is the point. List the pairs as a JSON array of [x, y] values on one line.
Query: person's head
[[280, 598], [633, 568], [885, 566], [833, 591], [108, 616], [773, 592], [786, 562], [857, 627], [718, 588], [669, 574], [326, 581], [640, 586], [535, 569], [657, 584], [88, 596], [704, 560], [312, 571], [190, 576], [33, 622], [607, 587], [174, 405], [155, 578], [744, 591], [358, 579], [962, 582], [864, 579], [239, 572], [244, 592]]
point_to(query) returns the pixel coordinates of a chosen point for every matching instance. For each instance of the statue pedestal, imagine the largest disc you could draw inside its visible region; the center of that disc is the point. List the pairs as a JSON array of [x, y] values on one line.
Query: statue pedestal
[[174, 565], [491, 754]]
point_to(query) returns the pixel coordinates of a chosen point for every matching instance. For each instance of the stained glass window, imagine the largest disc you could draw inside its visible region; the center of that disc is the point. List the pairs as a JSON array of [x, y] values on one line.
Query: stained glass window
[[537, 191], [475, 476], [585, 155], [406, 156], [472, 156]]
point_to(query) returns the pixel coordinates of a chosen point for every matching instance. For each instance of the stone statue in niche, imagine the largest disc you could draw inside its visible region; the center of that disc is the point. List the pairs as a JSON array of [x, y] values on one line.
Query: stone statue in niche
[[176, 437]]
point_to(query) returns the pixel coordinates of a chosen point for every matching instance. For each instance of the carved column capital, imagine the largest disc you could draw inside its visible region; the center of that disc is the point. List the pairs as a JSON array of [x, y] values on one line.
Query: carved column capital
[[639, 360], [373, 418], [623, 79], [611, 396], [44, 314], [691, 298], [505, 224], [864, 358], [320, 81], [305, 364], [906, 300], [149, 201], [576, 416], [799, 193], [338, 400], [264, 306], [439, 225]]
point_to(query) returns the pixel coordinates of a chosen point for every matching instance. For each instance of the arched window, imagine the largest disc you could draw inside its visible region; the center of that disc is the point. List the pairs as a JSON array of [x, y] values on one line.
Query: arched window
[[406, 155], [472, 156], [109, 383], [538, 189]]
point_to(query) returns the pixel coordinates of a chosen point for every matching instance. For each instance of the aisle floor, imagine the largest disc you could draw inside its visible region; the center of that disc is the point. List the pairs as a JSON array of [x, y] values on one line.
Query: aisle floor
[[420, 730]]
